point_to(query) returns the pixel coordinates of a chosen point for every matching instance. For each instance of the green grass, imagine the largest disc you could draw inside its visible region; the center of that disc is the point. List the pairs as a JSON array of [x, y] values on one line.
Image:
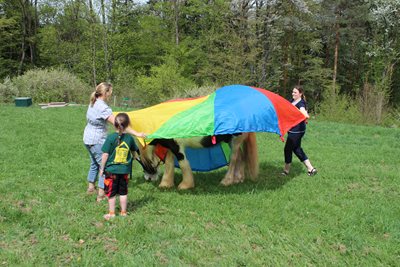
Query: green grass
[[347, 215]]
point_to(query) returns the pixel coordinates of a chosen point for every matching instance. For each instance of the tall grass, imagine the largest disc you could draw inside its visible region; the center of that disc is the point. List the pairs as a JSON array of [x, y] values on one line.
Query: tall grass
[[347, 215]]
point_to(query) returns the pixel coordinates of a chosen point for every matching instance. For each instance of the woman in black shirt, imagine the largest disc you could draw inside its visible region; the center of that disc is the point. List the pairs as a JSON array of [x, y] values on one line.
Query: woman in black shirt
[[295, 134]]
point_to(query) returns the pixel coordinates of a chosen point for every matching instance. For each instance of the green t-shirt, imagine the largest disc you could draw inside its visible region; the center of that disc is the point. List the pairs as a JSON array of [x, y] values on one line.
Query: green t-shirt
[[120, 157]]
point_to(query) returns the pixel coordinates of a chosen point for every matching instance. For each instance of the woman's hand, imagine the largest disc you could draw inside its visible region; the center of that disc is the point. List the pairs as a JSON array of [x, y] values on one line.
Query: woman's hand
[[130, 131], [142, 135]]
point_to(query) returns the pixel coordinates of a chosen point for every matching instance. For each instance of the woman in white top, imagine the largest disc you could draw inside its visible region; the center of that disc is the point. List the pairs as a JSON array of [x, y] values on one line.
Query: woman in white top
[[97, 116]]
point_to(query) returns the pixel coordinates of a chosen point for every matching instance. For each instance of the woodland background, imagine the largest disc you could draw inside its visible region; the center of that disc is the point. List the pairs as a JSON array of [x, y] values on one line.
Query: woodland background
[[344, 53]]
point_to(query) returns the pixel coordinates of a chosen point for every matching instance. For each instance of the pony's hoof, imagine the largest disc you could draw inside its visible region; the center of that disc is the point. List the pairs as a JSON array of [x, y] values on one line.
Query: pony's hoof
[[238, 179], [165, 185], [182, 186], [226, 182]]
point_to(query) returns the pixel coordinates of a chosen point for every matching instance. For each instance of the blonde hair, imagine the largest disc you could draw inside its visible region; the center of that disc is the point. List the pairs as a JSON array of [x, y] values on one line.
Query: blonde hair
[[101, 89]]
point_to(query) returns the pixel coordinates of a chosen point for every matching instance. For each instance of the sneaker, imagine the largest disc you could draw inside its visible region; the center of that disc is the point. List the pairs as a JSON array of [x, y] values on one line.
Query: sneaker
[[284, 173], [312, 172], [100, 198], [101, 195], [91, 189]]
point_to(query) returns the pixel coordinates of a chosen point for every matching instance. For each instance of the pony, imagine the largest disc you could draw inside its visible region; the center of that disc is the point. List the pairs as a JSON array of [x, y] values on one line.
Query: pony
[[243, 159]]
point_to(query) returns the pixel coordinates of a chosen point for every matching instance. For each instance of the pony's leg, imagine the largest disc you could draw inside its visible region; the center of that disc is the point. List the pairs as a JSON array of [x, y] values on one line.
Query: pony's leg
[[167, 180], [229, 176], [228, 179], [239, 168], [250, 156], [187, 175]]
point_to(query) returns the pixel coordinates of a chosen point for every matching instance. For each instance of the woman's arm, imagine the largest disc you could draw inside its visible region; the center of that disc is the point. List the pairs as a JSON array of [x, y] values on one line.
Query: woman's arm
[[129, 130], [305, 113], [111, 119]]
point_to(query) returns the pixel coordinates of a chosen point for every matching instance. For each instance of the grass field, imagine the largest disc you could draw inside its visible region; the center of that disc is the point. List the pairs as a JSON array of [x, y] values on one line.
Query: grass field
[[347, 215]]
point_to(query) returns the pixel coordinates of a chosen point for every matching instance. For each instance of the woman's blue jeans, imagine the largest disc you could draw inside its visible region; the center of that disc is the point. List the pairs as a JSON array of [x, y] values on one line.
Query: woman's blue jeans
[[95, 163]]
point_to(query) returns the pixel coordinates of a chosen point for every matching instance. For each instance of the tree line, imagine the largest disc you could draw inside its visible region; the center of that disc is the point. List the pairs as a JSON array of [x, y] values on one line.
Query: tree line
[[336, 49]]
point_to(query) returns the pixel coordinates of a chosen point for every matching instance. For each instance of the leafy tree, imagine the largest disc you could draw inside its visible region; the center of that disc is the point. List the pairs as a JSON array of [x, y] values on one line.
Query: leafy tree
[[18, 34], [383, 50], [8, 46], [164, 82], [339, 49]]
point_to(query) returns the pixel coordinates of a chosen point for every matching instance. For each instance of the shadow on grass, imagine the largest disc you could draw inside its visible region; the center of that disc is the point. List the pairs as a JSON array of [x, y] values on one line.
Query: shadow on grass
[[270, 178], [139, 203]]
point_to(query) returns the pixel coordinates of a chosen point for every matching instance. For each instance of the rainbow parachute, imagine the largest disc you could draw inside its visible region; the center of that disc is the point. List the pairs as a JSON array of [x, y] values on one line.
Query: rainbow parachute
[[229, 110]]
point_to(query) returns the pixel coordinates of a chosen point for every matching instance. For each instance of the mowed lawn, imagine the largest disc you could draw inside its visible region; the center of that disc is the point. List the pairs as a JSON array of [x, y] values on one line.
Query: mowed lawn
[[347, 215]]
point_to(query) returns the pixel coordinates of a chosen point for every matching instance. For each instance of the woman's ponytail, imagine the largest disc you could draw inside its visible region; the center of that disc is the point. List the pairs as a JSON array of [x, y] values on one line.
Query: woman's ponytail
[[301, 91], [101, 89], [92, 98]]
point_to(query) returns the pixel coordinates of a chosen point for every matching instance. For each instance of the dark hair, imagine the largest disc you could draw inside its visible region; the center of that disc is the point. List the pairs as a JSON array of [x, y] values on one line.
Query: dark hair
[[301, 91], [121, 122]]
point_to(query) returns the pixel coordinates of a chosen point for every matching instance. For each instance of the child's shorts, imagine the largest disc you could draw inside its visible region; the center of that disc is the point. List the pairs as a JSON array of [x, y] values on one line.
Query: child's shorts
[[116, 184]]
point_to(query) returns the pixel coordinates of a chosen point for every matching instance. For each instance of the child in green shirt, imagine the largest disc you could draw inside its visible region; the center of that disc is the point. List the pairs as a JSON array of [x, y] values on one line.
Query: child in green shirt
[[116, 163]]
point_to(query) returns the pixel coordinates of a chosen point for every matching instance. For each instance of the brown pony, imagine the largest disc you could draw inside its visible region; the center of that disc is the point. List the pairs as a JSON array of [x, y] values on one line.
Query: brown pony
[[243, 157]]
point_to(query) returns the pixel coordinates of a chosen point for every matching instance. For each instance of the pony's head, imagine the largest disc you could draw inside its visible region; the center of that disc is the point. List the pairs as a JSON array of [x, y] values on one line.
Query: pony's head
[[150, 162]]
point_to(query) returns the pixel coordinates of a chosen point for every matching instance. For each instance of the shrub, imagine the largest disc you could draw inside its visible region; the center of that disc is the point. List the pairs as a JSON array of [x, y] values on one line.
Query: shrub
[[8, 91], [196, 91], [373, 103], [140, 95], [339, 108], [392, 118], [164, 83], [44, 85]]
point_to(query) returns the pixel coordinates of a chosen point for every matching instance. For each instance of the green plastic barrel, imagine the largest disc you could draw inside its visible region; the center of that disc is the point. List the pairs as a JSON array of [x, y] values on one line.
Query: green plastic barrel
[[23, 101]]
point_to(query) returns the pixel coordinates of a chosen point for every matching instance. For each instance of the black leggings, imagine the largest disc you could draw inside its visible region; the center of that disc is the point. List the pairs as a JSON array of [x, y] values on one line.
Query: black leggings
[[293, 144]]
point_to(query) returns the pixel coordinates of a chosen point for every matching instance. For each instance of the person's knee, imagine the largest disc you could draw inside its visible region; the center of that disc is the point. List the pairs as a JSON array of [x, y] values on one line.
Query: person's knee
[[299, 153]]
